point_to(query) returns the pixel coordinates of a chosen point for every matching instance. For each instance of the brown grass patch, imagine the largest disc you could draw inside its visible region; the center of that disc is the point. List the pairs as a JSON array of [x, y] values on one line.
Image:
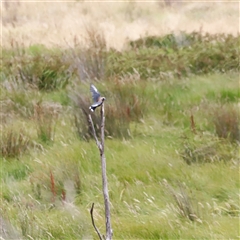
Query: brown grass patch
[[51, 24]]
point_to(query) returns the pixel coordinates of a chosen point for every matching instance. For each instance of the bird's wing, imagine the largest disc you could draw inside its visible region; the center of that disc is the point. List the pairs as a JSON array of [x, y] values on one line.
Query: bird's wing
[[96, 104], [95, 94]]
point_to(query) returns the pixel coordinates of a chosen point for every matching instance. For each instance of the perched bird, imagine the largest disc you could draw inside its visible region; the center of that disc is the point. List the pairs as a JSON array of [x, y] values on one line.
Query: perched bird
[[97, 99]]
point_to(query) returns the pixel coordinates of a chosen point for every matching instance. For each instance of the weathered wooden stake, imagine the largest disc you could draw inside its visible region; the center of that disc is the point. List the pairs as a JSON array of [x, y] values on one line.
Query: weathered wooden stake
[[100, 146]]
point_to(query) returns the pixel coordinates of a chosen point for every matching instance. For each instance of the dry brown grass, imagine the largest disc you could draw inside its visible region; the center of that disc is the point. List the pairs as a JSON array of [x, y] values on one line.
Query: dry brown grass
[[55, 23], [226, 121]]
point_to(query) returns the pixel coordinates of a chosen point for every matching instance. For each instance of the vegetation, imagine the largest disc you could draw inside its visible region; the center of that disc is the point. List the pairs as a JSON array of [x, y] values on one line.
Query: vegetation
[[177, 55], [172, 138]]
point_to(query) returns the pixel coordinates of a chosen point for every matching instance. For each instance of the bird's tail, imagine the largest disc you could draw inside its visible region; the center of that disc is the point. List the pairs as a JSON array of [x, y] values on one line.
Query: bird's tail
[[91, 108]]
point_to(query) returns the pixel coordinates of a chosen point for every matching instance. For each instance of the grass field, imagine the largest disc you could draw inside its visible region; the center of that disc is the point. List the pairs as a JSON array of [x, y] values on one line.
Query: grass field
[[172, 120]]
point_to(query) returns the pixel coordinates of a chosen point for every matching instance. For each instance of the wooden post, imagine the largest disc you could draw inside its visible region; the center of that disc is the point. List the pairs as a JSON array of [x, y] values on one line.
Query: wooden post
[[100, 146]]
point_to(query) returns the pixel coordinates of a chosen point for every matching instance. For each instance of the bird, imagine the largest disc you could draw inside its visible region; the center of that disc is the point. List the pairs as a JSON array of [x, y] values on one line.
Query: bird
[[97, 99]]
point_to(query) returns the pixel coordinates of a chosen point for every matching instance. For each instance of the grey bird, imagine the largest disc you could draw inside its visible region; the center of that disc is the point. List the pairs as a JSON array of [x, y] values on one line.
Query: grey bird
[[97, 99]]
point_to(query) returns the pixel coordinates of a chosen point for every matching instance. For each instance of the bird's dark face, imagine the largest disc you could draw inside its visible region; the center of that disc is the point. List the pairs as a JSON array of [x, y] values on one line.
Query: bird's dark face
[[101, 100]]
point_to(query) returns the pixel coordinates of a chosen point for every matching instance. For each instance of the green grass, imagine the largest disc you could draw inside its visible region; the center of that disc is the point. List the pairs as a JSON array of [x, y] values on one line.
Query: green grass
[[145, 170]]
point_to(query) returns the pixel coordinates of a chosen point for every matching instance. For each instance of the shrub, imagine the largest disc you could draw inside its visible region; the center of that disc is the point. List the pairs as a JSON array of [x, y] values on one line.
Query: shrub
[[176, 55], [126, 102], [45, 72], [44, 69], [226, 121]]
